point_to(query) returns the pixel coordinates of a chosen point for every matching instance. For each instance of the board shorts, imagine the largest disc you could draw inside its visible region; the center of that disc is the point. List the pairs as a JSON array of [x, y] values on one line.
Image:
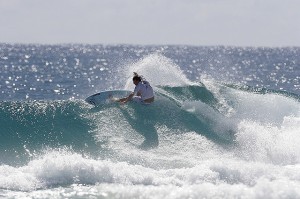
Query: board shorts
[[139, 100]]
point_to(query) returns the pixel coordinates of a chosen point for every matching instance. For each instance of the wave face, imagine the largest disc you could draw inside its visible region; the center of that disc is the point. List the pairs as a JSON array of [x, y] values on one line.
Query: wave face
[[201, 138], [27, 127]]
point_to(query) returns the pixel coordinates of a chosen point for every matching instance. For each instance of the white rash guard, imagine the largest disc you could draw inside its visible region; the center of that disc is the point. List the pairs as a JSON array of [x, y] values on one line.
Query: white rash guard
[[144, 89]]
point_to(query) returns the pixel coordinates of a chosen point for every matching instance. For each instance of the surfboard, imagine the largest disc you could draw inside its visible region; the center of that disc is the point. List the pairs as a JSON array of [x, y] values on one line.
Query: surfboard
[[106, 97]]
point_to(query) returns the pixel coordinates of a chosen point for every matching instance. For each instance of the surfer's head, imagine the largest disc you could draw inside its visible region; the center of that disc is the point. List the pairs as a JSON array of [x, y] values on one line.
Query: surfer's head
[[136, 78]]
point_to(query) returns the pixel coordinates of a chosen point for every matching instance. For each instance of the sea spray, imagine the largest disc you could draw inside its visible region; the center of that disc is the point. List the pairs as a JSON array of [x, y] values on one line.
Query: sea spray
[[158, 70]]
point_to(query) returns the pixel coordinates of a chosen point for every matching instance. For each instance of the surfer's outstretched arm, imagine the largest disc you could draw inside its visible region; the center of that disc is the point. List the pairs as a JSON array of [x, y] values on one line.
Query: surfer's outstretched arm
[[126, 99]]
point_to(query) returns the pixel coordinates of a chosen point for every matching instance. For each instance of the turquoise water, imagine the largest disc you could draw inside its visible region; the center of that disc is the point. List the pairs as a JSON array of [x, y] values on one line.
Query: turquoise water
[[225, 123]]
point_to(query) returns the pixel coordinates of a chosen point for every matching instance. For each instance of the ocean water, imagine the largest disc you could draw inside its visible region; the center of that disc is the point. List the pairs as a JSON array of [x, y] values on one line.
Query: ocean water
[[225, 122]]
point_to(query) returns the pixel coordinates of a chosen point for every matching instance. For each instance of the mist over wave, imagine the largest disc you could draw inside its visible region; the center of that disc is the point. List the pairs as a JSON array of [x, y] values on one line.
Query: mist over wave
[[200, 138]]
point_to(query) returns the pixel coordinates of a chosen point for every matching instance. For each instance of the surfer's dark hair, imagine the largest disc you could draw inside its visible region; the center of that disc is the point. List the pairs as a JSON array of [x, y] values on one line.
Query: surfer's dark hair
[[136, 77]]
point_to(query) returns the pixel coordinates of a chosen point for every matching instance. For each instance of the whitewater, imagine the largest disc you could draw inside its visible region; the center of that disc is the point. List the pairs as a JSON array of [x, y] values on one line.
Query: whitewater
[[225, 122]]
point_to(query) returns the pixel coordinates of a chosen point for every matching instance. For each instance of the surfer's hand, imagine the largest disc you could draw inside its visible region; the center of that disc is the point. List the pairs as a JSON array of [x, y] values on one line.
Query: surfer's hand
[[122, 103]]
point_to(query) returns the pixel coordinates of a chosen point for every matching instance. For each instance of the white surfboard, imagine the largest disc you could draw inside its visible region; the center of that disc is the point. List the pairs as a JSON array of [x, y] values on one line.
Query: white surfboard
[[106, 97]]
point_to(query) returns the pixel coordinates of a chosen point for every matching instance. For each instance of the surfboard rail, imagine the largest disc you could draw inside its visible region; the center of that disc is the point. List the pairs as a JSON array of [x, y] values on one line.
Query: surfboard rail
[[106, 97]]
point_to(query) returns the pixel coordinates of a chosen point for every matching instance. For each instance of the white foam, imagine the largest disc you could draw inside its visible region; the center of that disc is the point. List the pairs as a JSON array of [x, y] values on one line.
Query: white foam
[[265, 189], [269, 143], [215, 178], [266, 126]]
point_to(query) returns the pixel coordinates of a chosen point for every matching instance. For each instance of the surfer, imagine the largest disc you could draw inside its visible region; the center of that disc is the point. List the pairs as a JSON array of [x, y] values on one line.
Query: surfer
[[143, 92]]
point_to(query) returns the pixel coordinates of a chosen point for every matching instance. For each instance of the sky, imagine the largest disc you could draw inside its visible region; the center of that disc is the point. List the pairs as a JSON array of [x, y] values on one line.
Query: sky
[[270, 23]]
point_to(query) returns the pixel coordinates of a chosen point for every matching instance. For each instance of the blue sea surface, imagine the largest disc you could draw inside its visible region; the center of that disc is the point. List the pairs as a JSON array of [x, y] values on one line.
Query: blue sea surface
[[225, 122]]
